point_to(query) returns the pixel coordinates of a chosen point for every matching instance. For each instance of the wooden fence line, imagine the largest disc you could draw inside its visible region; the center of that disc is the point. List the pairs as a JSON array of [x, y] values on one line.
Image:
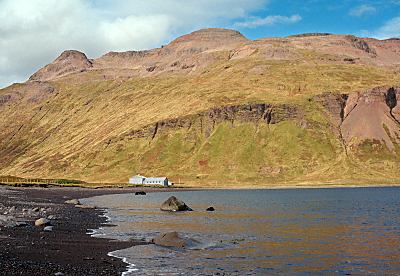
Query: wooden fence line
[[28, 181]]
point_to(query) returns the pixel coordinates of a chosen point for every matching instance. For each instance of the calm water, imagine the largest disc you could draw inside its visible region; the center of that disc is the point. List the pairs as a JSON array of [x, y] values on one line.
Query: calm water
[[263, 232]]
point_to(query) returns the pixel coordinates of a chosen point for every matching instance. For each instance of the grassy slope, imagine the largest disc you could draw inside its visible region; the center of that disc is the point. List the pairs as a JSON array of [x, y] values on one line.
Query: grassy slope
[[67, 135]]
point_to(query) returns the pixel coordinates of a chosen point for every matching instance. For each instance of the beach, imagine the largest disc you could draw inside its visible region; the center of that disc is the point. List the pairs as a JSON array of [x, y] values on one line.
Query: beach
[[68, 249]]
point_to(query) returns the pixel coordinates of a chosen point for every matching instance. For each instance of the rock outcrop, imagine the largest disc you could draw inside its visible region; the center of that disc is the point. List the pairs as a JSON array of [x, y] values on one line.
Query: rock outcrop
[[207, 120]]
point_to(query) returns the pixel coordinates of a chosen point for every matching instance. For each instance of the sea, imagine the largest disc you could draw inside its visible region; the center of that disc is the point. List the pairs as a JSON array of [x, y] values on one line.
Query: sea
[[337, 231]]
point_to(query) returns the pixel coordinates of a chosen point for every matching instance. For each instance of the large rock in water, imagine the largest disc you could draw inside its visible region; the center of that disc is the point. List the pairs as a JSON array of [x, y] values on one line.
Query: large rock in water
[[173, 204], [173, 239]]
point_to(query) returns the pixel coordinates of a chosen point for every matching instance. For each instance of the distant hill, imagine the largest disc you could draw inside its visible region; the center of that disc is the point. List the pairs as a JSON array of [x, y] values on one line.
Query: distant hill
[[212, 108]]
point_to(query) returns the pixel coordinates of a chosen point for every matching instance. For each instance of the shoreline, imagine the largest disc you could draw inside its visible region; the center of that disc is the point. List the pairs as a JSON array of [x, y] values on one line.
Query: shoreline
[[69, 248], [107, 189], [285, 186]]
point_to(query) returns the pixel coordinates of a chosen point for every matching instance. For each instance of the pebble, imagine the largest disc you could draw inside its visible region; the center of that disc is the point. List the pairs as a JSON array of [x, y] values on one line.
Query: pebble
[[48, 229], [73, 201], [85, 206], [41, 222]]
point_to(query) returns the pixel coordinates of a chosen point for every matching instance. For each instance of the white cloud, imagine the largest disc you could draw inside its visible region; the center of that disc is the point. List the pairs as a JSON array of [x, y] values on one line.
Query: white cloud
[[362, 10], [34, 32], [254, 22], [390, 29]]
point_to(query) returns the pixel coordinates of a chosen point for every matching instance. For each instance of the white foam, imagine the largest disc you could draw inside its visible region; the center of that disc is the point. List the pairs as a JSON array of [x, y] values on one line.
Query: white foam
[[130, 268], [96, 233]]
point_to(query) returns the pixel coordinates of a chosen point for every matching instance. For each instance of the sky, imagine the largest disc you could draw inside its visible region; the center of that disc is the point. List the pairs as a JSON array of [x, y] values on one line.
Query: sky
[[35, 32]]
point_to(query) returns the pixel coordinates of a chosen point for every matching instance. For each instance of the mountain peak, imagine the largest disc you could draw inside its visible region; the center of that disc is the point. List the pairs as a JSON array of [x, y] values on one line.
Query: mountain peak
[[71, 55], [68, 62], [209, 38]]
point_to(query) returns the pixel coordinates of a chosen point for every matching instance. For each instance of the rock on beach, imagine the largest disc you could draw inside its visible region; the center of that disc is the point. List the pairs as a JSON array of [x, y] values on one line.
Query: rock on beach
[[42, 222], [73, 202]]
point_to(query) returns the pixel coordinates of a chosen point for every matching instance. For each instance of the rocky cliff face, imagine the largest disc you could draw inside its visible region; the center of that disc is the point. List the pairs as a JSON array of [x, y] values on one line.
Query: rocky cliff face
[[206, 121], [365, 116], [369, 115]]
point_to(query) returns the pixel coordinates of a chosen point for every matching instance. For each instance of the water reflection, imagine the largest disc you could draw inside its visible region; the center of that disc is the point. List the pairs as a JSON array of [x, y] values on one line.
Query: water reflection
[[332, 231]]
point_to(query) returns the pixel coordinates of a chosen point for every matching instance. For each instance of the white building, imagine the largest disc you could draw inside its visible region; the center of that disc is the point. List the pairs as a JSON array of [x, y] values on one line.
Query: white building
[[142, 180]]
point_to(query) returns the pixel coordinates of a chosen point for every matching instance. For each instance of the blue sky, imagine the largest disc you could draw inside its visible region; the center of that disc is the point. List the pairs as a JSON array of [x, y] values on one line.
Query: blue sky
[[35, 32], [363, 18]]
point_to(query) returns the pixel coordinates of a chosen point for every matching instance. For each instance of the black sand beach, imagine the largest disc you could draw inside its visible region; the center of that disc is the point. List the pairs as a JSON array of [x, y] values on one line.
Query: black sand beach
[[28, 250]]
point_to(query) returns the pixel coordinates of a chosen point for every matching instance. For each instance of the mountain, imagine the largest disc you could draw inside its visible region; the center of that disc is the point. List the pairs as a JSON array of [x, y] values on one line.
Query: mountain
[[212, 108]]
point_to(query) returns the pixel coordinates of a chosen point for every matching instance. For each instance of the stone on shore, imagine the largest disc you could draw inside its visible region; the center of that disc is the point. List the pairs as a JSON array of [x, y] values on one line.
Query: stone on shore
[[48, 229], [173, 239], [173, 204], [42, 222], [210, 209], [7, 221], [85, 206], [73, 202]]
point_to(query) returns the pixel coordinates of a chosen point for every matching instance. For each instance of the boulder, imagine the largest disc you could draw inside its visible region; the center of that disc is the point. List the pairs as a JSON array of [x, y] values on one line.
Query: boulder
[[140, 193], [210, 209], [173, 204], [42, 222], [173, 239], [73, 202]]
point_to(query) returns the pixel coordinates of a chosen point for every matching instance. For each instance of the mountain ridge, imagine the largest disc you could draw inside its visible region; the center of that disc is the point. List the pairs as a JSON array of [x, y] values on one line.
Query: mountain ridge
[[199, 42], [320, 108]]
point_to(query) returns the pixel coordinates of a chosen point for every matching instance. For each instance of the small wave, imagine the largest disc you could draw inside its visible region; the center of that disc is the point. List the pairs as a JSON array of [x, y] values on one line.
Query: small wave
[[130, 268]]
